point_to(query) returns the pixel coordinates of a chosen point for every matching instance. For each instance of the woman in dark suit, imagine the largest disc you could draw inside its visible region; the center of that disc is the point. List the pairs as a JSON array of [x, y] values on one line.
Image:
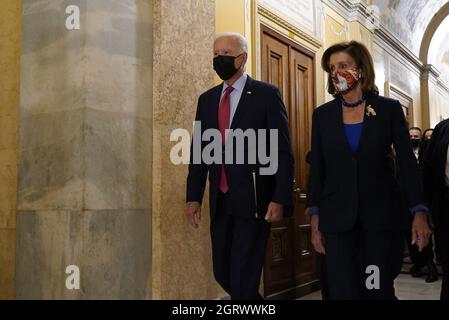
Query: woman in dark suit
[[354, 198]]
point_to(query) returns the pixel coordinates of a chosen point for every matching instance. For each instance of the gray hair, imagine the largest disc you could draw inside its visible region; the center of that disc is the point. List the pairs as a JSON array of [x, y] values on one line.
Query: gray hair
[[243, 44]]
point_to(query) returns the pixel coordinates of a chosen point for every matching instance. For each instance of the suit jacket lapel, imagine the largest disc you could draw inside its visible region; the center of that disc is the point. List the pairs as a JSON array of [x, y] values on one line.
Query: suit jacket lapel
[[368, 122], [339, 126], [244, 101]]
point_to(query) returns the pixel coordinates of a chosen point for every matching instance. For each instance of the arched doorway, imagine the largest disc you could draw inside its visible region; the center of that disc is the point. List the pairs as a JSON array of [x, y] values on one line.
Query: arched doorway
[[428, 71]]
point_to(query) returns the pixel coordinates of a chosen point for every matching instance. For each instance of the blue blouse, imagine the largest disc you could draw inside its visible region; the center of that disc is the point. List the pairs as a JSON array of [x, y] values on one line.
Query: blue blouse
[[353, 133]]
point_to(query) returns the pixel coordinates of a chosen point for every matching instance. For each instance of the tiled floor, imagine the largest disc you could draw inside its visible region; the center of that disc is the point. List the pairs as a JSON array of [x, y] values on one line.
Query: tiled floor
[[407, 288]]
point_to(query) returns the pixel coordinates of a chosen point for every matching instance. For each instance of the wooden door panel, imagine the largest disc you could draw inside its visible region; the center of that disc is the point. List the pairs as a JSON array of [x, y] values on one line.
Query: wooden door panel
[[302, 82], [291, 268], [280, 273], [275, 67]]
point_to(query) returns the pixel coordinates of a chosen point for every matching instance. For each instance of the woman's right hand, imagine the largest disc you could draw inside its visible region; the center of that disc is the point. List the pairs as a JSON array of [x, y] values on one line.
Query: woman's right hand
[[317, 239]]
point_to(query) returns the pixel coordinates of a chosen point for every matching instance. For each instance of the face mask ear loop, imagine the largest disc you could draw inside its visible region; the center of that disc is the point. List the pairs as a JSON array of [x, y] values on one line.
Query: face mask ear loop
[[359, 73], [242, 61]]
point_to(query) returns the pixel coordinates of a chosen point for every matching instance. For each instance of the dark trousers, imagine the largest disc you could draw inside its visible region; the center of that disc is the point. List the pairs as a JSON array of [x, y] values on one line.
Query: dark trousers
[[323, 277], [348, 254], [442, 234], [238, 251]]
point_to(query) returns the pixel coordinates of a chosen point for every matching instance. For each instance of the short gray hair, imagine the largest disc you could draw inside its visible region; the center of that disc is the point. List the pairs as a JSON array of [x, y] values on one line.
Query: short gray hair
[[241, 40]]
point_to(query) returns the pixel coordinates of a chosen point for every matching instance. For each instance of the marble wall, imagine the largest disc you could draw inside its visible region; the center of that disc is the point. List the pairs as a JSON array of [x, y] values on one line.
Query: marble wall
[[392, 71], [9, 132], [84, 195], [97, 188], [183, 38], [336, 30], [438, 103]]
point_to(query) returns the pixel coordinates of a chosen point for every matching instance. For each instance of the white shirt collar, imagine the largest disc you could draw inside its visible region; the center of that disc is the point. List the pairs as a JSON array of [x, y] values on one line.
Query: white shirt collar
[[239, 85]]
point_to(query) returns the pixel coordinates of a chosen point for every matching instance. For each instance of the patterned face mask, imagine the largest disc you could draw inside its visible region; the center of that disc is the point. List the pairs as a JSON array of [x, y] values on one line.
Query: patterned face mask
[[345, 81]]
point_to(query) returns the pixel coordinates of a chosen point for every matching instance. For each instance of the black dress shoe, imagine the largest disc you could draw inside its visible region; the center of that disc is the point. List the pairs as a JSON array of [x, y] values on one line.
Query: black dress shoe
[[432, 274], [416, 272]]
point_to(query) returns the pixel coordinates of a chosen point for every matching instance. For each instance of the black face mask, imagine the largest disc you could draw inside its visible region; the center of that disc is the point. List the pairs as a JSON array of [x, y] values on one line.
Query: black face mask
[[224, 66], [415, 143]]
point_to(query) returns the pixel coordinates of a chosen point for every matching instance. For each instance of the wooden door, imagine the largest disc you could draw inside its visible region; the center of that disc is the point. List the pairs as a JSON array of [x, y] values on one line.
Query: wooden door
[[291, 268]]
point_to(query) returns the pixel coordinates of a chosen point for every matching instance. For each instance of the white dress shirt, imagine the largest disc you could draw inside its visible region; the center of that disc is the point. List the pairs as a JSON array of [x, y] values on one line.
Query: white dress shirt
[[236, 94], [416, 153]]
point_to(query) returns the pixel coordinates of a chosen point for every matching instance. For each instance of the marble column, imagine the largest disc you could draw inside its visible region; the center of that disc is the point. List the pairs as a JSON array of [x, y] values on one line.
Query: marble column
[[9, 140], [428, 80], [84, 190], [183, 36]]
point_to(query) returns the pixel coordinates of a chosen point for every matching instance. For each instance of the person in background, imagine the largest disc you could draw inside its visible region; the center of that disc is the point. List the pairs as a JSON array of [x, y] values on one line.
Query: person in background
[[415, 140], [426, 136], [428, 133], [436, 186]]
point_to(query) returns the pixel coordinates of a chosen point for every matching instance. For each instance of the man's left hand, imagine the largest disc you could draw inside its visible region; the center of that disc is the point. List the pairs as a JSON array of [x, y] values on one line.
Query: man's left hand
[[275, 212]]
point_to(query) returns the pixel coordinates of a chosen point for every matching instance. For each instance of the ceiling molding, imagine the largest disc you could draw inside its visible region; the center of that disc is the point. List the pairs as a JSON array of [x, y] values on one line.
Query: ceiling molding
[[384, 37], [358, 10], [429, 72], [443, 85], [264, 12], [351, 10]]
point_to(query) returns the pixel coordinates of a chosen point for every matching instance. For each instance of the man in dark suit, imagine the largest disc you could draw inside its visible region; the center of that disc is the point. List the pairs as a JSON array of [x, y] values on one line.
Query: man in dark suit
[[436, 187], [243, 201]]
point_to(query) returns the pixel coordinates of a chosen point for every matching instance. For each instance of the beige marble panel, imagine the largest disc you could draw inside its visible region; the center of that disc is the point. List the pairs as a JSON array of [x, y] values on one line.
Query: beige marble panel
[[51, 160], [183, 37], [110, 247], [10, 31], [53, 58], [47, 242], [9, 120], [7, 263], [85, 150], [117, 161], [8, 188], [122, 31], [118, 117]]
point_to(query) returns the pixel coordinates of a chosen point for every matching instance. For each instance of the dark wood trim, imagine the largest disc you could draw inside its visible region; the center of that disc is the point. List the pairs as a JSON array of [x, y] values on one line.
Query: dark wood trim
[[285, 40]]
